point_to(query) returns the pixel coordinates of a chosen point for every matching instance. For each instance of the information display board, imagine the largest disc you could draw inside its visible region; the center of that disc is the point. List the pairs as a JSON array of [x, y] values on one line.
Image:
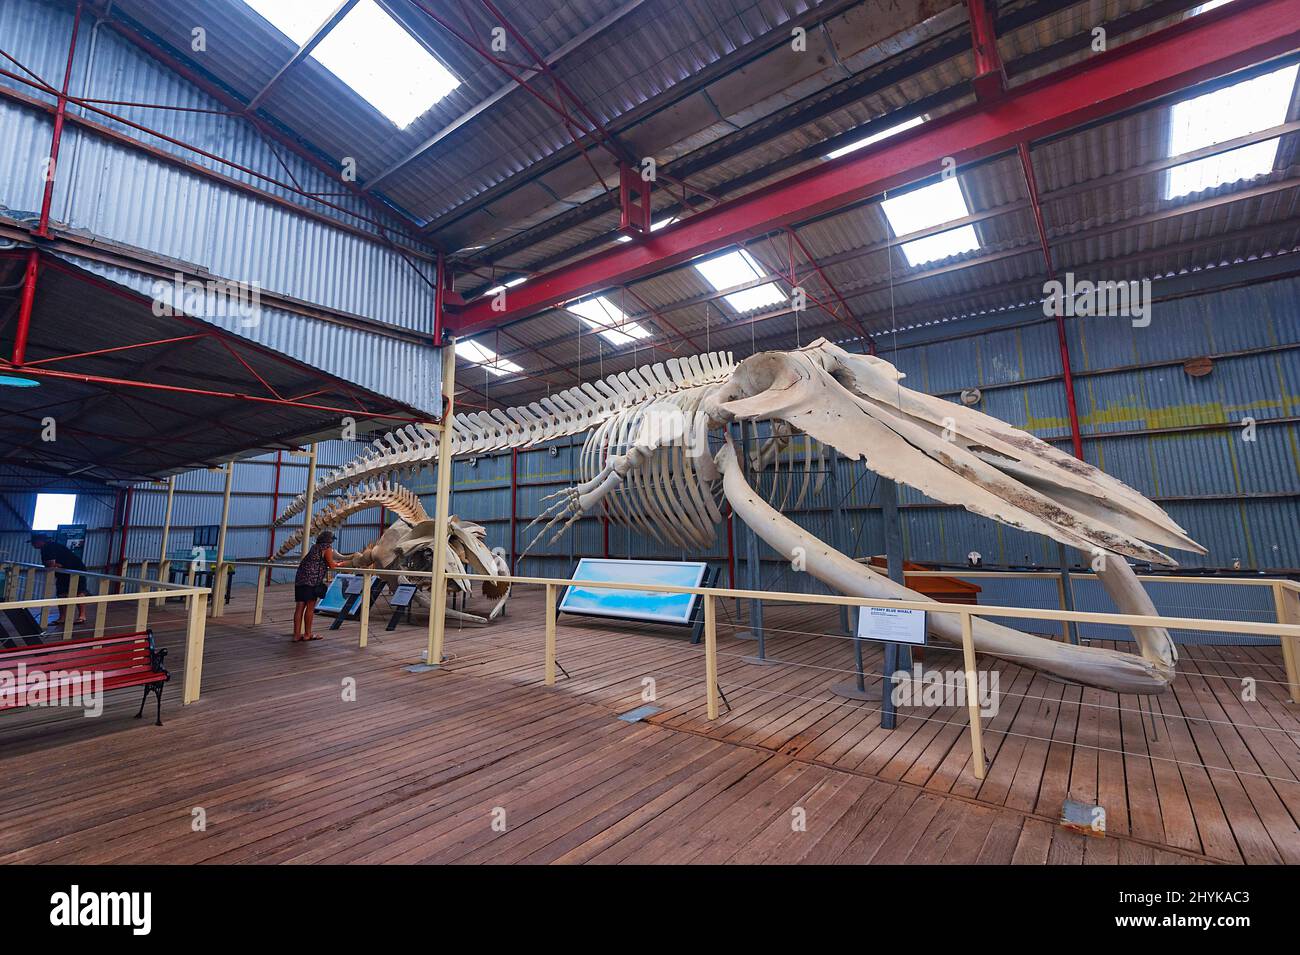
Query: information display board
[[635, 604], [892, 625], [402, 596], [335, 598]]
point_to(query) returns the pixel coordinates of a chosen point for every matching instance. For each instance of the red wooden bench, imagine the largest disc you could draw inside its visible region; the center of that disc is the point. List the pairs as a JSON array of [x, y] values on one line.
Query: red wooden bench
[[129, 659]]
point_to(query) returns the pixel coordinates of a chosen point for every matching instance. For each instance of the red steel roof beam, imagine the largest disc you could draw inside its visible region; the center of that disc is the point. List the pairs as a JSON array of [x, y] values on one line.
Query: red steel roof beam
[[1221, 41]]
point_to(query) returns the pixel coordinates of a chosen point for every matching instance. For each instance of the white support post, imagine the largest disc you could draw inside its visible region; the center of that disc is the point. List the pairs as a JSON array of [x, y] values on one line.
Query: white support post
[[311, 500], [219, 569], [165, 565], [442, 508], [194, 647]]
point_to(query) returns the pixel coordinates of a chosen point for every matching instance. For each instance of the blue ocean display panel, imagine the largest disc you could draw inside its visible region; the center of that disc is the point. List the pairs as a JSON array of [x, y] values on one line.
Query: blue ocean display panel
[[635, 604]]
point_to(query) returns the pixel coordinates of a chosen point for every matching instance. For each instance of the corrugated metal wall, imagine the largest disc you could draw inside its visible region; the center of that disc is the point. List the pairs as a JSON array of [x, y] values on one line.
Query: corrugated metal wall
[[197, 502], [130, 198]]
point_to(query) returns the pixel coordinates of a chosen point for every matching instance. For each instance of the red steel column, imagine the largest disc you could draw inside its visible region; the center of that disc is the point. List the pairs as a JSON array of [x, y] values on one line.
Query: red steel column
[[25, 307], [43, 228]]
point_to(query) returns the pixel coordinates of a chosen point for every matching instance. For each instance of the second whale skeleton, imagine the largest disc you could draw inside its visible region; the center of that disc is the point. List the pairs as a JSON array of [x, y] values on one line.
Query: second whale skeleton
[[648, 463]]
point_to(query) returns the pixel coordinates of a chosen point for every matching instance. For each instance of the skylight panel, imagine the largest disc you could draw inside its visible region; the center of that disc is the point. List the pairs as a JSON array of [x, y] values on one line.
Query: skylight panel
[[1237, 110], [926, 207], [737, 268], [487, 358], [53, 510], [601, 313], [370, 52], [505, 285], [654, 227], [876, 137]]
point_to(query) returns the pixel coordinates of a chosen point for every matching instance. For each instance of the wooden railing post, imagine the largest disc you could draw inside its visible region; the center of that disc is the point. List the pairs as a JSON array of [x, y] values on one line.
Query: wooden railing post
[[550, 635], [198, 613], [1285, 604], [47, 594], [101, 608], [164, 571], [972, 695], [259, 602], [711, 655], [364, 638], [68, 613], [142, 608]]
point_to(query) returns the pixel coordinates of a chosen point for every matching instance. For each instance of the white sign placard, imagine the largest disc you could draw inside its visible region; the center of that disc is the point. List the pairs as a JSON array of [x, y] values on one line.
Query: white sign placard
[[892, 625]]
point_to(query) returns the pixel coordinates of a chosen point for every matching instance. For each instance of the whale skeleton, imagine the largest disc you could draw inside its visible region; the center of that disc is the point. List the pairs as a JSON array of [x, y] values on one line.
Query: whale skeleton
[[648, 463]]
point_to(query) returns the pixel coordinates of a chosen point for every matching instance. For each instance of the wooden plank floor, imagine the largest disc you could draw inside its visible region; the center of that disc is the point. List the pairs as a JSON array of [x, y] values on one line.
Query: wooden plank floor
[[479, 762]]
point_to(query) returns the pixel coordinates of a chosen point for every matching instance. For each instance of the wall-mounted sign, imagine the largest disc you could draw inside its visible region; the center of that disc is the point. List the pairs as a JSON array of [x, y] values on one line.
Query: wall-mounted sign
[[892, 625]]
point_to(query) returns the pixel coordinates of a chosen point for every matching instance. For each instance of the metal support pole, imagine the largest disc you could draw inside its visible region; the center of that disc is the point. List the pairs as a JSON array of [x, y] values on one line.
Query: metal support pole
[[514, 509], [753, 569], [442, 510], [164, 565], [839, 532], [896, 657], [219, 571], [1067, 595]]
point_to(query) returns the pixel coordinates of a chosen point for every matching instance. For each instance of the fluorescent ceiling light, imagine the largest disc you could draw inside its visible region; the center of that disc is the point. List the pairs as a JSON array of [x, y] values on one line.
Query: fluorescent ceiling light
[[654, 227], [370, 52], [1237, 110], [603, 314], [473, 351], [876, 137], [53, 510], [1207, 6], [505, 285], [737, 268], [930, 206]]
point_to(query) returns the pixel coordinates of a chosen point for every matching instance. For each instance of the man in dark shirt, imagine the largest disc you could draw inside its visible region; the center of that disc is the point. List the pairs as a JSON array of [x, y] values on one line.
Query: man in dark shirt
[[58, 557]]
